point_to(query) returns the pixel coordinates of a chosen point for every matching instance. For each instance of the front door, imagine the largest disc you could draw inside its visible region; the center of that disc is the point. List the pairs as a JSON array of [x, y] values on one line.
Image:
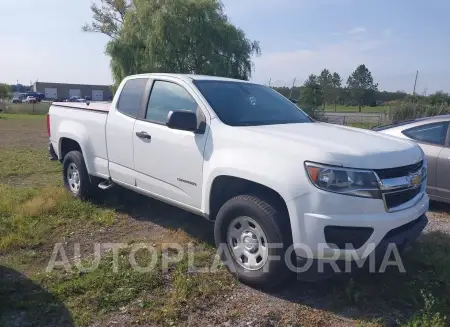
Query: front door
[[432, 138], [169, 162], [443, 173], [431, 154]]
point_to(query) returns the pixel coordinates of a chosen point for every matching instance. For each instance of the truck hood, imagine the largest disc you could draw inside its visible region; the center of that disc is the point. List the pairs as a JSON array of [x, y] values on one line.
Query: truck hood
[[335, 144]]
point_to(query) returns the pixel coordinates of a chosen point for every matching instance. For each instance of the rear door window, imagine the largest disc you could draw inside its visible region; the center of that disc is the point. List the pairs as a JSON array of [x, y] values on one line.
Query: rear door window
[[131, 96], [434, 133]]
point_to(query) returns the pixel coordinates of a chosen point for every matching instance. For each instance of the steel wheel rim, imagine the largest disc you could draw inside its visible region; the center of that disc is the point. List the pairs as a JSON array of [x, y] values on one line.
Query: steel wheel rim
[[73, 178], [247, 243]]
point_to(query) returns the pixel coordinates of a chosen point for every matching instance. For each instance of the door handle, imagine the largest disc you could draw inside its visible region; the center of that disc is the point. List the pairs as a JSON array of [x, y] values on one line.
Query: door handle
[[143, 135]]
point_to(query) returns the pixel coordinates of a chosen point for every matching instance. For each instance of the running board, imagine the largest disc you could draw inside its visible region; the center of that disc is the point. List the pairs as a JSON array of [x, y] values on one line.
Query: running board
[[105, 185]]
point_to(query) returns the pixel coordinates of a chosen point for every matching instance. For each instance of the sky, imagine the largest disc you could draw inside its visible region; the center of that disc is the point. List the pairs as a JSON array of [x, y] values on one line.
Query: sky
[[42, 40]]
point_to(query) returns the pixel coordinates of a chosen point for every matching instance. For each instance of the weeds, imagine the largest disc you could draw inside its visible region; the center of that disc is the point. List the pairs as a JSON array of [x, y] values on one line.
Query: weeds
[[91, 295], [31, 217], [24, 162], [426, 317], [427, 272], [403, 110]]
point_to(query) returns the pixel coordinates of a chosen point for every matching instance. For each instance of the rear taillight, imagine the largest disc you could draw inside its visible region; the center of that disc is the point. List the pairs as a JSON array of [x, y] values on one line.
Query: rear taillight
[[48, 125]]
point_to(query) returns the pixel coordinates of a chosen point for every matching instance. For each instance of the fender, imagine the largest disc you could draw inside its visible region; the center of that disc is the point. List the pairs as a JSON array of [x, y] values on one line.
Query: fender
[[75, 131], [256, 166]]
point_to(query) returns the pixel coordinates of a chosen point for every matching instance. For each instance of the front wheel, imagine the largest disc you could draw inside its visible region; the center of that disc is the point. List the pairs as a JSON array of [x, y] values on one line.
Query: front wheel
[[75, 175], [252, 236]]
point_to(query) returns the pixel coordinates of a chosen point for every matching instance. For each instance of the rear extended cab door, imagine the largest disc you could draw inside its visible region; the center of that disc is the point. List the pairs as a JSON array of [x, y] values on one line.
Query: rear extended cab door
[[119, 129], [169, 162]]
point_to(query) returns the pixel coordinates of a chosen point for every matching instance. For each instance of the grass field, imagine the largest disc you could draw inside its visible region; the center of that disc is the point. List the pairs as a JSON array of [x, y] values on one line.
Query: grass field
[[341, 108], [25, 108], [36, 212]]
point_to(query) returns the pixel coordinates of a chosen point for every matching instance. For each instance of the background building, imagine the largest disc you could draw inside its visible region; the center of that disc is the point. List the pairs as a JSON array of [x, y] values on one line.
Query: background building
[[62, 91]]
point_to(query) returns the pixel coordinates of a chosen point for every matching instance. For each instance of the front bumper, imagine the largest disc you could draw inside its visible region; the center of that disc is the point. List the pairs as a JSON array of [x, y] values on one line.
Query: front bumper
[[310, 215], [399, 238]]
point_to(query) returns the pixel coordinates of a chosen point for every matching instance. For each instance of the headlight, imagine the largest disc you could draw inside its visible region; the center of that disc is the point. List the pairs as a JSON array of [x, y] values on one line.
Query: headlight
[[346, 181], [424, 168]]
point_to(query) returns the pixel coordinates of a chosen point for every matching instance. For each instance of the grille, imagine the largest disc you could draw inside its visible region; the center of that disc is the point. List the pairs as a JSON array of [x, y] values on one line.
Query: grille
[[398, 171], [395, 199]]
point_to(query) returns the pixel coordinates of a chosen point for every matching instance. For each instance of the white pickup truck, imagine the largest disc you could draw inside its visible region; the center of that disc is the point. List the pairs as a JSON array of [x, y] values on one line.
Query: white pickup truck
[[277, 184]]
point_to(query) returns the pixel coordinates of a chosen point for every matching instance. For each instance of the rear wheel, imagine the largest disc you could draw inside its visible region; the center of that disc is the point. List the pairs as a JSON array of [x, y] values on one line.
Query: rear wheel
[[76, 177], [253, 235]]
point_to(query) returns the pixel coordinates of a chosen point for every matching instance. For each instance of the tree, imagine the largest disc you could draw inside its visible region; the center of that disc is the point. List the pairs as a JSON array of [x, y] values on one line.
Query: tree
[[439, 98], [311, 95], [336, 83], [109, 17], [361, 86], [189, 36], [326, 86], [4, 91]]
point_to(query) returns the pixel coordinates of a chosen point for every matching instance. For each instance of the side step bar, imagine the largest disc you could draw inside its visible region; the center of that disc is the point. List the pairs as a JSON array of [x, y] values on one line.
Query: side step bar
[[105, 185]]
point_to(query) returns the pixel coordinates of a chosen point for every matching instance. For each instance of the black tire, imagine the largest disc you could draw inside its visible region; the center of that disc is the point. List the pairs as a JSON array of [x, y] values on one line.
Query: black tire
[[86, 188], [274, 223]]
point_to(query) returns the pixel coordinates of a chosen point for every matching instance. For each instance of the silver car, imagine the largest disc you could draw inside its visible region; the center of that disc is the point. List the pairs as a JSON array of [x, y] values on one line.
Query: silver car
[[433, 136]]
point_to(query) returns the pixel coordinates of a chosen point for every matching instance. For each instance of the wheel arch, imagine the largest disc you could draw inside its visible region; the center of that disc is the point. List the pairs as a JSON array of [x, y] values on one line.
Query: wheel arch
[[225, 187], [67, 144]]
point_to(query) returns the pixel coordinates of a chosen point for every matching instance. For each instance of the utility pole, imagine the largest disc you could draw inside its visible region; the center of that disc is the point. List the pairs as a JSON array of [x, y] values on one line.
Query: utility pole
[[270, 80], [415, 83], [293, 84]]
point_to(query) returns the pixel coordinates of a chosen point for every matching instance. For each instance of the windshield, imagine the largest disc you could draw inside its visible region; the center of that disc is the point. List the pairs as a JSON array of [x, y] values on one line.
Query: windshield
[[246, 104]]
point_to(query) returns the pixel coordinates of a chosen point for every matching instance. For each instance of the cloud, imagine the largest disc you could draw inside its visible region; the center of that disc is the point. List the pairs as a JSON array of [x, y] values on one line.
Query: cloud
[[357, 30], [370, 45], [341, 57]]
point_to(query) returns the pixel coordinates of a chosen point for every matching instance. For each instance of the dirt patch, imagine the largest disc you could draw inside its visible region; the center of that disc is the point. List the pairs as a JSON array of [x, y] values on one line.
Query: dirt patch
[[28, 132]]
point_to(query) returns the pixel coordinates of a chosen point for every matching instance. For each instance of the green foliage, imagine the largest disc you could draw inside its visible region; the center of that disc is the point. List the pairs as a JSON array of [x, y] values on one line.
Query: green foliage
[[361, 86], [427, 317], [439, 98], [311, 94], [191, 36], [404, 110], [427, 272], [108, 17], [325, 80], [4, 91], [336, 82]]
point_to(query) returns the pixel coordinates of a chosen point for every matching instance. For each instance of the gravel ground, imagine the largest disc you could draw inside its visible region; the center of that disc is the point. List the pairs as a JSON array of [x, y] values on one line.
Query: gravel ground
[[439, 218]]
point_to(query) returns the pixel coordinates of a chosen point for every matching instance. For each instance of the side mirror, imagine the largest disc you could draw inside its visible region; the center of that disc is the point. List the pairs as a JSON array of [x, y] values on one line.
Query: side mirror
[[293, 101], [183, 120]]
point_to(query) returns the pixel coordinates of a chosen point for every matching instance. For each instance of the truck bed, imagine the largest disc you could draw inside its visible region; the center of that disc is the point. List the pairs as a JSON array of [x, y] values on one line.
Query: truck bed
[[84, 124], [94, 106]]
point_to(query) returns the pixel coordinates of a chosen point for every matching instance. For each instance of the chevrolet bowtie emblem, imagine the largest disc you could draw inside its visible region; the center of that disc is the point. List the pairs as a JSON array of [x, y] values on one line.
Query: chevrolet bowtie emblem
[[415, 180]]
